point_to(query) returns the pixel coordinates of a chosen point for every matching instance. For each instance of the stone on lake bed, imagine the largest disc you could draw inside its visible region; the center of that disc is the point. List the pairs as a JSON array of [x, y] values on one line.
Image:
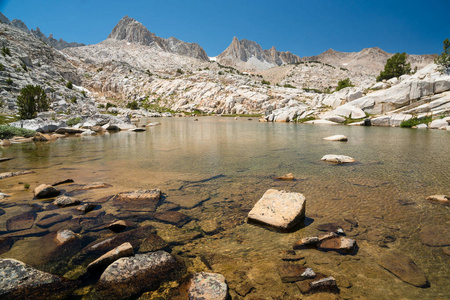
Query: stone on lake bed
[[338, 159], [307, 242], [120, 225], [404, 268], [12, 174], [339, 244], [287, 177], [130, 276], [86, 207], [337, 138], [65, 236], [279, 209], [95, 185], [124, 250], [154, 194], [45, 191], [290, 272], [435, 236], [64, 201], [205, 285], [21, 222]]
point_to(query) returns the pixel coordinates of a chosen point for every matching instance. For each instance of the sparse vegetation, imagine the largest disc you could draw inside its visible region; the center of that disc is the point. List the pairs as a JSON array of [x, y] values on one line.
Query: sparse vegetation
[[414, 121], [6, 51], [24, 66], [443, 60], [265, 82], [83, 92], [109, 104], [101, 105], [73, 121], [73, 99], [344, 83], [395, 66], [7, 132], [287, 85], [2, 67], [132, 105], [9, 81], [32, 99], [179, 71], [69, 85]]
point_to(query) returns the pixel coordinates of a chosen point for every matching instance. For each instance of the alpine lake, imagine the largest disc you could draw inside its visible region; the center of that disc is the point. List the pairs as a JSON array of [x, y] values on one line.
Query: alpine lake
[[213, 171]]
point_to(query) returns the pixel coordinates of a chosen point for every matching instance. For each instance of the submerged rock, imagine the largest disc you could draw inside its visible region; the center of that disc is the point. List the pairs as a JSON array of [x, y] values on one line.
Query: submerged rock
[[142, 200], [129, 276], [287, 177], [205, 285], [21, 222], [338, 138], [45, 191], [439, 198], [12, 174], [435, 236], [65, 236], [20, 281], [295, 272], [279, 209], [404, 268], [124, 250], [338, 159]]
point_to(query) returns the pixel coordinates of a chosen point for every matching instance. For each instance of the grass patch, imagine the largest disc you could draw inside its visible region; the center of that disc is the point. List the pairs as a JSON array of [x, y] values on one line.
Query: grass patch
[[73, 121], [414, 121], [7, 132], [303, 120], [5, 119]]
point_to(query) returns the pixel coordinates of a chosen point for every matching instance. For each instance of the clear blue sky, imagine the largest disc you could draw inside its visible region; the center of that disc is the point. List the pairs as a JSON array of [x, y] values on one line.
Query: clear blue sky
[[304, 27]]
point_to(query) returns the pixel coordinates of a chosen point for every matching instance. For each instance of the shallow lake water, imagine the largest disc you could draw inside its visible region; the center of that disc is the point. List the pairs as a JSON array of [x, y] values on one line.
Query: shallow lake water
[[218, 168]]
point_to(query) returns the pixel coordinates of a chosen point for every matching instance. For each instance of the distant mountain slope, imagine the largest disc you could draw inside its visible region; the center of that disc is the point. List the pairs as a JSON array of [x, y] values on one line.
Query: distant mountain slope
[[57, 44], [132, 31], [245, 54]]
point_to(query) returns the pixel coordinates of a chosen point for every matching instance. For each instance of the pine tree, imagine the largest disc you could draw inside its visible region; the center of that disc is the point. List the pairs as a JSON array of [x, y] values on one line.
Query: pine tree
[[395, 66]]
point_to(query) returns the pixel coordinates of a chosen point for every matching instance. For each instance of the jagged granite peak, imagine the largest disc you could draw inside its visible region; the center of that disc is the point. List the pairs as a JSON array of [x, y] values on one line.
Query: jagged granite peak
[[19, 24], [249, 54], [132, 31], [57, 44], [4, 19]]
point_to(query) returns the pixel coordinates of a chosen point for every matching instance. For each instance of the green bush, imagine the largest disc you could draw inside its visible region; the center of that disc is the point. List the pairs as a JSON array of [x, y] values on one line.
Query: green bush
[[133, 105], [73, 121], [9, 81], [101, 105], [179, 71], [414, 121], [265, 82], [7, 132], [443, 60], [2, 67], [32, 99], [395, 66], [343, 84], [287, 85], [109, 104], [69, 85], [6, 51]]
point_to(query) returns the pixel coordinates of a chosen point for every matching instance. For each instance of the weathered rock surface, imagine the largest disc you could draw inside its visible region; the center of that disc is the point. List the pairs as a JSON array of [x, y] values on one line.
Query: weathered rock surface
[[19, 281], [124, 250], [439, 198], [11, 174], [53, 219], [129, 276], [404, 268], [65, 236], [173, 217], [338, 159], [279, 209], [45, 191], [146, 200], [338, 138], [64, 201], [153, 242], [205, 285], [21, 222]]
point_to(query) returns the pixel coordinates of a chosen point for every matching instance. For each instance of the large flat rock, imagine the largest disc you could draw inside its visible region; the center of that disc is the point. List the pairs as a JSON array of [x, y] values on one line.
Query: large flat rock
[[205, 285], [279, 209], [129, 276]]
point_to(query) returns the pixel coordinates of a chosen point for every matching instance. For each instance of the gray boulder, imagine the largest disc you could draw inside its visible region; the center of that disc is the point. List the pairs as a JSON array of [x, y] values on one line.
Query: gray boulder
[[129, 276], [338, 159]]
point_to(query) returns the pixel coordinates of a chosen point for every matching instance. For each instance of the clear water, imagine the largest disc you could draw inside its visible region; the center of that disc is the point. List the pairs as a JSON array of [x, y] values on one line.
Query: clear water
[[225, 165]]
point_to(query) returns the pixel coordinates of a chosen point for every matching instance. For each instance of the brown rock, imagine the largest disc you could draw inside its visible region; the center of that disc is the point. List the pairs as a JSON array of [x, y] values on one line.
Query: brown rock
[[439, 198], [63, 182], [153, 242], [294, 272], [65, 236], [307, 242], [21, 222], [435, 236], [109, 257], [5, 244], [87, 207], [45, 191], [330, 227], [404, 268], [287, 177], [339, 244], [173, 217], [52, 220], [42, 137], [120, 225]]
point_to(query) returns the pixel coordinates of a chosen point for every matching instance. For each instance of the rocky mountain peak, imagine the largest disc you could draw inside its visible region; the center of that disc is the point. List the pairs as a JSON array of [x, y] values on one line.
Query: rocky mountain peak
[[248, 54], [19, 24], [132, 31], [4, 19]]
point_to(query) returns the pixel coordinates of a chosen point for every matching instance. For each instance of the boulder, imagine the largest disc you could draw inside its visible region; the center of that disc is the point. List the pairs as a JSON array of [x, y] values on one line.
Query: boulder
[[45, 191], [42, 137], [404, 268], [86, 207], [287, 177], [437, 124], [130, 276], [20, 281], [338, 159], [279, 209], [124, 250], [205, 285], [119, 225], [439, 198], [144, 200], [334, 118], [338, 138], [64, 201], [339, 244]]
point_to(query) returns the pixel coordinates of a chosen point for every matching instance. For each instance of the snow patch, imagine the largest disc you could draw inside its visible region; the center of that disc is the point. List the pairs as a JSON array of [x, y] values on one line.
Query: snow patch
[[213, 58]]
